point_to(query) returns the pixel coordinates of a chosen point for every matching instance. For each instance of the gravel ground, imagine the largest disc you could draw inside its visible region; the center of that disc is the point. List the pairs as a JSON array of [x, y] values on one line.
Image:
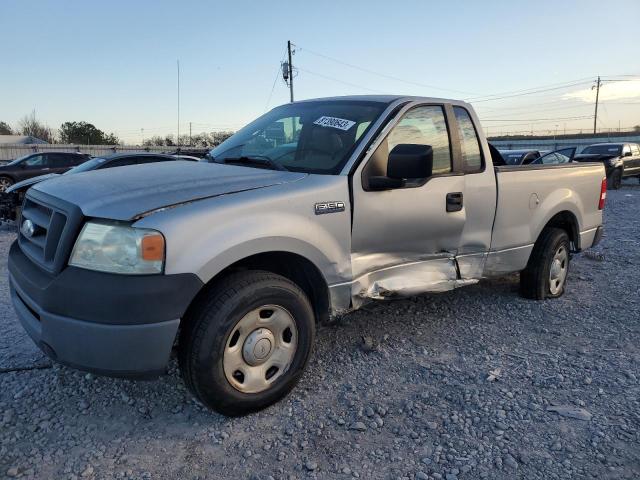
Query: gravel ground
[[476, 383]]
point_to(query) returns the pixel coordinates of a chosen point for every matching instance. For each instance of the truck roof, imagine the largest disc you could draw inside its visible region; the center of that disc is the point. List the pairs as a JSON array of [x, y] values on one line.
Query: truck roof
[[386, 99]]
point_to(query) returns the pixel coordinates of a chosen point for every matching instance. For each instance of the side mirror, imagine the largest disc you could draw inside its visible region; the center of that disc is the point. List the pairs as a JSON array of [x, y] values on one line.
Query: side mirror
[[627, 154], [406, 161]]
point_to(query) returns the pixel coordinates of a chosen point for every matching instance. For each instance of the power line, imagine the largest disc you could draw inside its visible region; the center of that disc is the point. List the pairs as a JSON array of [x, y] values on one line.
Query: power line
[[529, 120], [532, 92], [338, 80], [372, 72], [275, 80]]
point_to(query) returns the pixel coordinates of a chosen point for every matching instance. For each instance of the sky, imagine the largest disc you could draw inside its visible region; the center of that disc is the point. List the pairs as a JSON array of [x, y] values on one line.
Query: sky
[[113, 63]]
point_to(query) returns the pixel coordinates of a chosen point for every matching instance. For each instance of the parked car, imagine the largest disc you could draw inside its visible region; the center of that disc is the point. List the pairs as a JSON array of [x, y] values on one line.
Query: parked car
[[36, 164], [385, 197], [621, 160], [557, 157], [11, 199], [519, 157]]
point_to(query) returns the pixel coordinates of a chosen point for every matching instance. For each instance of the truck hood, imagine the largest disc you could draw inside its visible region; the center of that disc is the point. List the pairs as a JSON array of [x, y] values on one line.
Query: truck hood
[[125, 193]]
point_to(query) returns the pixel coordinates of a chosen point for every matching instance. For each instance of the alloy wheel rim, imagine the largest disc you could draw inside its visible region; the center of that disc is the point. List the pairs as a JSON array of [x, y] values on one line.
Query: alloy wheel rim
[[260, 349], [558, 270]]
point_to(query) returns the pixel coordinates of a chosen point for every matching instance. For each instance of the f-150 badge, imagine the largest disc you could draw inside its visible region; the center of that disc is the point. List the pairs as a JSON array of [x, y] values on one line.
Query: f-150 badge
[[329, 207]]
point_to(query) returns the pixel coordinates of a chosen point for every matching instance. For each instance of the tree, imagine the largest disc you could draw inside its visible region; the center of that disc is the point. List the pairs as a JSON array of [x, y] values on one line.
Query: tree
[[85, 133], [31, 126], [5, 129], [636, 128]]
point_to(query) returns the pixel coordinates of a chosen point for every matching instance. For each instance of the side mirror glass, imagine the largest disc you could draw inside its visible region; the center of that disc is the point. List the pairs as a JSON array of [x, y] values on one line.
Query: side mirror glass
[[627, 154], [409, 160]]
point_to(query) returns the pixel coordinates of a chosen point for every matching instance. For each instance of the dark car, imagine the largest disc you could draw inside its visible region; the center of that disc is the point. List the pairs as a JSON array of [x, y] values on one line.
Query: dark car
[[621, 160], [36, 164], [519, 157], [557, 157], [11, 199]]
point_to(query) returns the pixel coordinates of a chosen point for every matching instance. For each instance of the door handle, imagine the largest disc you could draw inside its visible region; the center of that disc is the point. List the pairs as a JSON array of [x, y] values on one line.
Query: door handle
[[454, 201]]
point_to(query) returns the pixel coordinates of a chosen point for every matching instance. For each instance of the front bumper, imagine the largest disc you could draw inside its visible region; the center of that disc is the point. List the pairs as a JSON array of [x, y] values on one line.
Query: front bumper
[[105, 323]]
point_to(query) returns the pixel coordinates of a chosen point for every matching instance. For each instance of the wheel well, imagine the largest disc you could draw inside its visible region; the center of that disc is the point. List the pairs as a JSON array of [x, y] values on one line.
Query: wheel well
[[569, 223], [295, 267]]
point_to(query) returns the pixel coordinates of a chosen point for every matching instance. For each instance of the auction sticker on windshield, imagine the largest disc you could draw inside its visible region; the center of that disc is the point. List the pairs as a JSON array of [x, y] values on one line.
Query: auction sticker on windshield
[[334, 122]]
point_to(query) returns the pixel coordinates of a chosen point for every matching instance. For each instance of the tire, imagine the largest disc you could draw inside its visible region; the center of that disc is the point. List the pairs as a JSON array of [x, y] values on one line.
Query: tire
[[221, 334], [5, 182], [546, 273], [615, 180]]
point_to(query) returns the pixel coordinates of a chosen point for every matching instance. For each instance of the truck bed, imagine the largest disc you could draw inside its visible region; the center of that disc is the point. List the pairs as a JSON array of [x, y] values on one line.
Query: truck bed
[[529, 196]]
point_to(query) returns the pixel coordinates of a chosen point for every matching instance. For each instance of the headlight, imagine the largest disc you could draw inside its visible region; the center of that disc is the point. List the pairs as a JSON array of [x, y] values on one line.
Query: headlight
[[118, 248], [613, 161]]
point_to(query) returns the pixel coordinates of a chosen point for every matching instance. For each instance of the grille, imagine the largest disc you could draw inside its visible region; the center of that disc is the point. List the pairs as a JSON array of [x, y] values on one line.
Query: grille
[[56, 225], [49, 224]]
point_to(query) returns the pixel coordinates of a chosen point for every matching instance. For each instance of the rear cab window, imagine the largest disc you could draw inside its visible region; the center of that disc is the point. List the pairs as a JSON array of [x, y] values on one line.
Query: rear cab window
[[471, 152]]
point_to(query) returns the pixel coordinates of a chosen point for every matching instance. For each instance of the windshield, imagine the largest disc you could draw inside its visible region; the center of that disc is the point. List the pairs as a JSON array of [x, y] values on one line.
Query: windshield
[[603, 150], [86, 166], [310, 137]]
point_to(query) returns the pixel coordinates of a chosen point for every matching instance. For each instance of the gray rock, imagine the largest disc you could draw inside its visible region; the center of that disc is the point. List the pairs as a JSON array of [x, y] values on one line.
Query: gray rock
[[570, 411], [359, 426]]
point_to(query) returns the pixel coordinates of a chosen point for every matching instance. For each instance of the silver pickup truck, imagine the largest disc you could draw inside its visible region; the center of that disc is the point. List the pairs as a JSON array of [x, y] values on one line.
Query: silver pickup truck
[[312, 210]]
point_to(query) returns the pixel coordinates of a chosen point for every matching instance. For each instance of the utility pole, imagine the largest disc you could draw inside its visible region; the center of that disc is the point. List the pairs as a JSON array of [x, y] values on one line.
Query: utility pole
[[595, 116], [178, 139], [290, 71], [189, 133]]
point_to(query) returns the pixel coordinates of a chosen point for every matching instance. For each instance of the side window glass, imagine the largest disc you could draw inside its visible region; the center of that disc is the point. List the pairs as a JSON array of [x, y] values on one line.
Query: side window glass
[[625, 150], [424, 126], [635, 150], [469, 144], [57, 160], [35, 161]]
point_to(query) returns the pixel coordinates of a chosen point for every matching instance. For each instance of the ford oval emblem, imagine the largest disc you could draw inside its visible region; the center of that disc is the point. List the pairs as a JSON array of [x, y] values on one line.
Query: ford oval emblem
[[28, 228]]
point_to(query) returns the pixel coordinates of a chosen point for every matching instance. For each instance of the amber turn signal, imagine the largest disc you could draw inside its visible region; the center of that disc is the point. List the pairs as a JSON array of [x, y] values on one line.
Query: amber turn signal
[[153, 247]]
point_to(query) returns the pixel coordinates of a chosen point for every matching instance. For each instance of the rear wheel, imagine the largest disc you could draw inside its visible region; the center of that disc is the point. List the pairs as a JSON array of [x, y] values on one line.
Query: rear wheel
[[548, 266], [5, 183], [247, 342], [615, 180]]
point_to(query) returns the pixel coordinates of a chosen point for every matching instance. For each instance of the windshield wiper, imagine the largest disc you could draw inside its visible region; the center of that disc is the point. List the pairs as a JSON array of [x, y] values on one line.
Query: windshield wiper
[[258, 160]]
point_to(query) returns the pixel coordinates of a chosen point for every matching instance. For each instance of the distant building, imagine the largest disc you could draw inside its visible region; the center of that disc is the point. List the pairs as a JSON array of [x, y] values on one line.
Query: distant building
[[20, 140]]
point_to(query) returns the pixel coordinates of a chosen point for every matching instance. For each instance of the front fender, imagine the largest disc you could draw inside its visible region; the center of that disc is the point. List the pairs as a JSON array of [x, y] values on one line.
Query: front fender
[[206, 237]]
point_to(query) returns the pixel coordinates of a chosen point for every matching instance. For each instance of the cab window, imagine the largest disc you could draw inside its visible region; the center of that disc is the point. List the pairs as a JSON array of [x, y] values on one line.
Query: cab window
[[423, 125], [469, 143]]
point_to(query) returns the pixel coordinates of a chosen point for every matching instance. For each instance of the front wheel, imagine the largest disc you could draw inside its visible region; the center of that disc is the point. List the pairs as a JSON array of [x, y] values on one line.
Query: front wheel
[[246, 342], [548, 266], [5, 183], [615, 180]]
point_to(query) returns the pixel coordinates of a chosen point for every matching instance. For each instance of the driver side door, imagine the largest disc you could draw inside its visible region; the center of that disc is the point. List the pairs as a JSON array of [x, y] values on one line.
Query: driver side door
[[404, 240]]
